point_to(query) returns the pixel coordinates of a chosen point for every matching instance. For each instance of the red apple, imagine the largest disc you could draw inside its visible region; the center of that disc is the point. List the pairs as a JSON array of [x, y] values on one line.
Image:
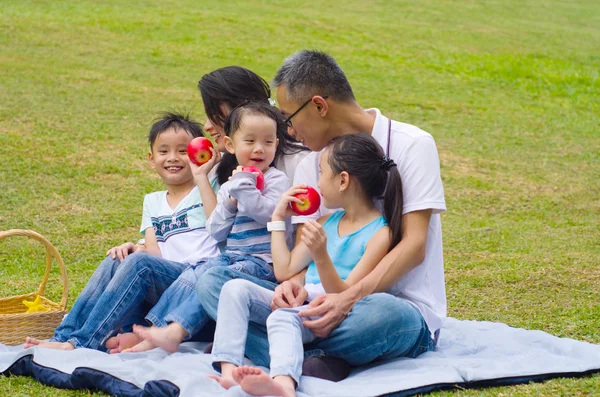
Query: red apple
[[311, 201], [260, 178], [198, 150]]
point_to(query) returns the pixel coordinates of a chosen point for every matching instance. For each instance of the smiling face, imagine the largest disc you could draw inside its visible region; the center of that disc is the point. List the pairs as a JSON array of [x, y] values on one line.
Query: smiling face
[[169, 157], [255, 141], [216, 130], [308, 126]]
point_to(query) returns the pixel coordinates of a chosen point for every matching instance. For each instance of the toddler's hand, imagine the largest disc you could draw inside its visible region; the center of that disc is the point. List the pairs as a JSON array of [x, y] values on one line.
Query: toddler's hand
[[283, 209], [121, 251], [315, 238]]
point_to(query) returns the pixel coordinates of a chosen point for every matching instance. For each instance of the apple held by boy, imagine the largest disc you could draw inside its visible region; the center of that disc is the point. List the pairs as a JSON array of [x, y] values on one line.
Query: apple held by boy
[[198, 150], [311, 201], [260, 178]]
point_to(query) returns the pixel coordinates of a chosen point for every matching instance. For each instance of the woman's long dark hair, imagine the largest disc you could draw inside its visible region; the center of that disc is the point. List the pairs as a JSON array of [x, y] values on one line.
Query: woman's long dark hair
[[234, 86], [362, 158]]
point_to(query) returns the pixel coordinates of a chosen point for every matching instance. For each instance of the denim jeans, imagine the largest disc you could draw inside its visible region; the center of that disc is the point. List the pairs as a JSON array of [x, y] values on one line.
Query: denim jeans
[[380, 326], [180, 303], [116, 293]]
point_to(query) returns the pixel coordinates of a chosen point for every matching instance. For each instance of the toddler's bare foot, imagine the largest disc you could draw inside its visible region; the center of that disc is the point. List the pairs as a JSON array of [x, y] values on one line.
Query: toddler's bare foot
[[256, 382], [143, 346], [121, 342], [168, 338], [30, 342], [225, 382]]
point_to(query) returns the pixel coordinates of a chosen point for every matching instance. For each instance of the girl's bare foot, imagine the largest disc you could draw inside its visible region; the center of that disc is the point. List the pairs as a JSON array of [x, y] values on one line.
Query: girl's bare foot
[[143, 346], [119, 343], [30, 342], [225, 382], [168, 338], [256, 382]]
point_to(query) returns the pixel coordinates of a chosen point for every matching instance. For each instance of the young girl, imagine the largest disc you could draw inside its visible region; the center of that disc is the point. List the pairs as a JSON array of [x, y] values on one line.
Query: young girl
[[240, 218], [339, 250]]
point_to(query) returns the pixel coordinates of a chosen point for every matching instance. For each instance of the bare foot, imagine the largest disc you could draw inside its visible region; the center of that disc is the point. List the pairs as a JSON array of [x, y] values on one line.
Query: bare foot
[[30, 342], [168, 338], [256, 382], [119, 343], [225, 382], [143, 346]]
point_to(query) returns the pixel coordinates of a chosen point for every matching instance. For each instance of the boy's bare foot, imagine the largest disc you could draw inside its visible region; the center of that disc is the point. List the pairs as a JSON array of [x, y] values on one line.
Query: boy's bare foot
[[168, 338], [30, 342], [256, 382], [119, 343], [225, 382], [143, 346]]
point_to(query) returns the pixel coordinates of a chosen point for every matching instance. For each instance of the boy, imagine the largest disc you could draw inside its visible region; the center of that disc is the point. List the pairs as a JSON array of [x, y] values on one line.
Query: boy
[[173, 223]]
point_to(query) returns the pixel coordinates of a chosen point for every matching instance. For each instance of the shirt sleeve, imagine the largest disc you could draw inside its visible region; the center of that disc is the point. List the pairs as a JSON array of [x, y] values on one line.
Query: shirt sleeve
[[221, 219], [254, 203], [419, 168], [146, 215]]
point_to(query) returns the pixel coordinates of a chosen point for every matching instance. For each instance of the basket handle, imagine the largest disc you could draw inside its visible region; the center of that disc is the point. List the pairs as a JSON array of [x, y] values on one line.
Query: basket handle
[[51, 252]]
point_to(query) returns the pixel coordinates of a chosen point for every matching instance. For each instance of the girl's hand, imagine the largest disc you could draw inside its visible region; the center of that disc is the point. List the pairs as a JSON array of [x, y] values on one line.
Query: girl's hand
[[315, 238], [200, 171], [283, 209]]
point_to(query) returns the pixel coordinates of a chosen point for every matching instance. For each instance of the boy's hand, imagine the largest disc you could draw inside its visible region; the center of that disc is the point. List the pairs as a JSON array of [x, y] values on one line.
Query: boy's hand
[[315, 238], [122, 251], [200, 171], [283, 209]]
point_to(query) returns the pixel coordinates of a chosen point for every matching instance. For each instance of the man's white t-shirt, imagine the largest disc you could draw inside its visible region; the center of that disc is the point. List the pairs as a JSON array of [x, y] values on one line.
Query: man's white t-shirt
[[415, 153], [180, 231]]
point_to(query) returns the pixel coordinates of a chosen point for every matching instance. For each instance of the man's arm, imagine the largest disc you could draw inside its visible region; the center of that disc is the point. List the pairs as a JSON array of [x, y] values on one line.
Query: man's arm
[[409, 253]]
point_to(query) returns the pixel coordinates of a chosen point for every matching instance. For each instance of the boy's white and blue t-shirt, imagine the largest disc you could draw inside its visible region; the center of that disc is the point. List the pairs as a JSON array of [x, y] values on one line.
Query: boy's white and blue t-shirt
[[344, 251], [181, 231]]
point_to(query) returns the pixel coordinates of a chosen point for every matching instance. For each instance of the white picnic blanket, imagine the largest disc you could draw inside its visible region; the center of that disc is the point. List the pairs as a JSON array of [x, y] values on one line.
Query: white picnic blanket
[[469, 353]]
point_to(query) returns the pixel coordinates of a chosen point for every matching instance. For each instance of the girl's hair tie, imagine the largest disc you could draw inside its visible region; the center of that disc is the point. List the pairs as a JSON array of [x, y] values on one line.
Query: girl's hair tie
[[387, 163]]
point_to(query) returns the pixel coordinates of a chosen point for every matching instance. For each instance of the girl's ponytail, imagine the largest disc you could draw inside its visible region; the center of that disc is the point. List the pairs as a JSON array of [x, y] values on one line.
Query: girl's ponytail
[[393, 202]]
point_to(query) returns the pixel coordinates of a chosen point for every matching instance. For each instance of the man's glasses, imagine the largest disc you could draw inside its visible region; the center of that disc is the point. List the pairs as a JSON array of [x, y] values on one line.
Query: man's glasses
[[288, 121]]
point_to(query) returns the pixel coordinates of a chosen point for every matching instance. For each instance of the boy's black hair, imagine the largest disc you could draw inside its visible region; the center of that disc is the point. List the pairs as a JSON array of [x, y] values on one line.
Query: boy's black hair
[[363, 158], [174, 120], [234, 86]]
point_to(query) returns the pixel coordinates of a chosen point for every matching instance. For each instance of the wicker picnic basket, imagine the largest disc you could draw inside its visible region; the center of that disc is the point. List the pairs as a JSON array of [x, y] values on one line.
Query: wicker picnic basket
[[15, 322]]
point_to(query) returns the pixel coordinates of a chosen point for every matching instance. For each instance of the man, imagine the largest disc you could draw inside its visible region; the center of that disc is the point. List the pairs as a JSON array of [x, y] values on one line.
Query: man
[[360, 324]]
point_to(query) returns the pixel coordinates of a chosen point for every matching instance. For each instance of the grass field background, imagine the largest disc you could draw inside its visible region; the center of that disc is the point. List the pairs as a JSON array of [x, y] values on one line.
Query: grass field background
[[509, 89]]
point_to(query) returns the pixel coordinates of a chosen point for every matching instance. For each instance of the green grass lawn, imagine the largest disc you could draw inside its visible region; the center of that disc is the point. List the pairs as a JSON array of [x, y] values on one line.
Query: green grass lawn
[[509, 89]]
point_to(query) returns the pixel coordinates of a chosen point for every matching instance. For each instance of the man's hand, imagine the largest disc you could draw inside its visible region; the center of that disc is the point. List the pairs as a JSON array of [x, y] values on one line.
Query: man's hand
[[288, 294], [331, 309]]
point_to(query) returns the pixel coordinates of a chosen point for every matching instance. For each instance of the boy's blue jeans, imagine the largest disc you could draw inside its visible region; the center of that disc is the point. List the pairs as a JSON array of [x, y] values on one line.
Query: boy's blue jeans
[[117, 294], [380, 326], [180, 303]]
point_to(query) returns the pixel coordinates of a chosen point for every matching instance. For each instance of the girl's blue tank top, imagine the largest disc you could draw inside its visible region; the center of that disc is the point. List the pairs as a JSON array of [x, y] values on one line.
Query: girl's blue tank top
[[345, 252]]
